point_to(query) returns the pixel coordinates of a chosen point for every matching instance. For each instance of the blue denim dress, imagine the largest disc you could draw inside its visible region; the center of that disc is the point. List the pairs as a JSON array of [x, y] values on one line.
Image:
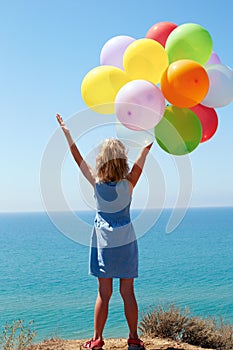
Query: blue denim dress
[[114, 249]]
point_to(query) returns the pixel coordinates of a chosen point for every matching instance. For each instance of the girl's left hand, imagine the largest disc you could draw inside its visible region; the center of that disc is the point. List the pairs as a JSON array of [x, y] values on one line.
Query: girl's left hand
[[61, 122], [59, 119]]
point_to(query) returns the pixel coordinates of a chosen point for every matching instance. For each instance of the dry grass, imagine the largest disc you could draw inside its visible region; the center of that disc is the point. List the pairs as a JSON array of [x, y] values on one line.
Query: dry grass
[[17, 336], [177, 324]]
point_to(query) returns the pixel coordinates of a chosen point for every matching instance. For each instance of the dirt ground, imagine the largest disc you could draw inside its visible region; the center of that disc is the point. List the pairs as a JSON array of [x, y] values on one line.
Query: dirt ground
[[150, 344]]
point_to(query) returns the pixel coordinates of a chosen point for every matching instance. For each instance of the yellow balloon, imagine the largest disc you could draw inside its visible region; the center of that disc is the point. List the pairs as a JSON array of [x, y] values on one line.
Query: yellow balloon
[[100, 87], [145, 59]]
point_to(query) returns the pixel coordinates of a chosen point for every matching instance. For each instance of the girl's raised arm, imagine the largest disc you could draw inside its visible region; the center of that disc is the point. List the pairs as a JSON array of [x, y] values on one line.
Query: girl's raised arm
[[136, 170], [84, 167]]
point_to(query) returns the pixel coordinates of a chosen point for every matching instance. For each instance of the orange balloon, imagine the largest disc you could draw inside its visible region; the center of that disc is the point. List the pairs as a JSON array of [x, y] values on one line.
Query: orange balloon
[[185, 83]]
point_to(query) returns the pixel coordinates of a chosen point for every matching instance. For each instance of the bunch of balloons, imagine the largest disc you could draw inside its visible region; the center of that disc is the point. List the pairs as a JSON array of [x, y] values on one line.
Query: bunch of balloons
[[168, 83]]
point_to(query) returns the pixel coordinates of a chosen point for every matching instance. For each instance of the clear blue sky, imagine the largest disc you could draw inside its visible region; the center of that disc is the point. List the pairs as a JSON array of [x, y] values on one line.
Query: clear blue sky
[[48, 46]]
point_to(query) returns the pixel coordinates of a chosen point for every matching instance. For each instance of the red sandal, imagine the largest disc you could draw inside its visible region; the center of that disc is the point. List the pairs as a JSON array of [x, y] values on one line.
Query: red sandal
[[93, 344], [135, 344]]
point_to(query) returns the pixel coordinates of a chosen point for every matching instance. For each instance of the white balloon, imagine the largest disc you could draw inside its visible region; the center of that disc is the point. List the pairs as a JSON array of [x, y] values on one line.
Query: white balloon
[[220, 91]]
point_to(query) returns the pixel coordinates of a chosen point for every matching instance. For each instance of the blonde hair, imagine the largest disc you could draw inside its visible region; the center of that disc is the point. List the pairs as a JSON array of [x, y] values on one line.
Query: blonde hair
[[112, 161]]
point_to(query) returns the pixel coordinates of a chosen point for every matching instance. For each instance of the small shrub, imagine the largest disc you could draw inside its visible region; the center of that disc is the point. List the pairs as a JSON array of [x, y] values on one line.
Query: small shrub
[[226, 332], [174, 323], [165, 322], [202, 332], [16, 336]]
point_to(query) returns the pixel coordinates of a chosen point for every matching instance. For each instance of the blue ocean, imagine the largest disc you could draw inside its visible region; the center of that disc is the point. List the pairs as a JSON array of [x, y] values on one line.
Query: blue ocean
[[44, 275]]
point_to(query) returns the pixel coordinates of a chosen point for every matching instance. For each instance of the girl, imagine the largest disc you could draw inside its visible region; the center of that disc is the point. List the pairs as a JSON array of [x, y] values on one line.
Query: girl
[[114, 250]]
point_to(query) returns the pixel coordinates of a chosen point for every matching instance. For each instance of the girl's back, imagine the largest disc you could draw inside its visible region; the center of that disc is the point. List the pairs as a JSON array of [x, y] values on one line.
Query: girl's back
[[113, 201], [114, 251]]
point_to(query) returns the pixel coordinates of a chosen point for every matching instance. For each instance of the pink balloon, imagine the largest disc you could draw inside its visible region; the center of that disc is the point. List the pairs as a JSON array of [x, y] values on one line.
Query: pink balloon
[[113, 50], [209, 120], [214, 59], [139, 105]]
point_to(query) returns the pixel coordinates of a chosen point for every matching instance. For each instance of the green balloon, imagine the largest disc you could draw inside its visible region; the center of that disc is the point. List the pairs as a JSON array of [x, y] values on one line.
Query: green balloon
[[179, 131], [189, 41]]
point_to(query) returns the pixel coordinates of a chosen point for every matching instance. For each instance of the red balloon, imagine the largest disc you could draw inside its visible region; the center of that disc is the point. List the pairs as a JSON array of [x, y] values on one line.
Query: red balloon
[[160, 31], [209, 120]]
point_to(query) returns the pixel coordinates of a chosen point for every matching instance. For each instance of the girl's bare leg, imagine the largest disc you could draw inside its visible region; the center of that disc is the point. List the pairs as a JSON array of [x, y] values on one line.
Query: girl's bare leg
[[101, 306], [130, 305]]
